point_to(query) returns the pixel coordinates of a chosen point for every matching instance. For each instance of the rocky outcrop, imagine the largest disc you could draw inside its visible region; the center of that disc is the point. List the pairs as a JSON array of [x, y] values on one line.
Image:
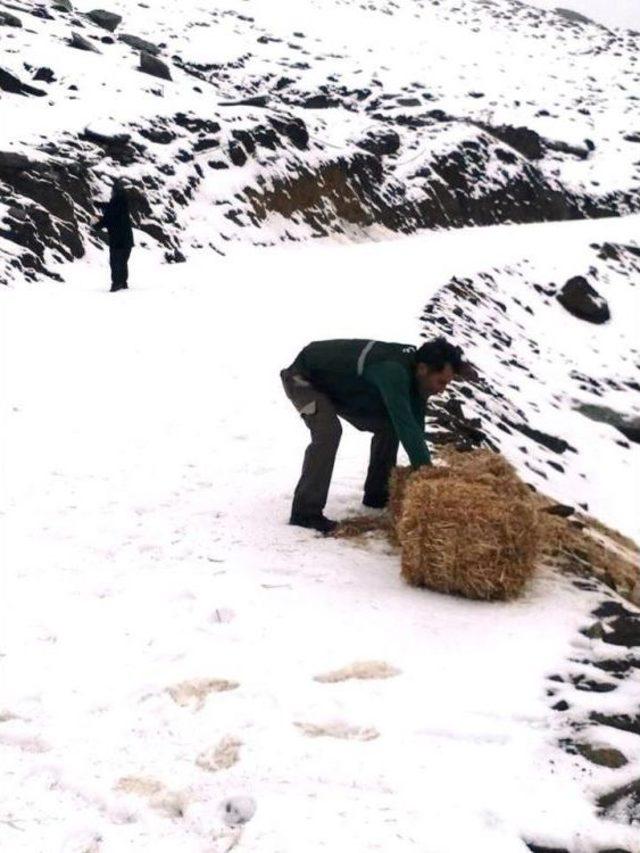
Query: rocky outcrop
[[9, 20], [107, 20], [12, 84], [150, 64], [583, 301]]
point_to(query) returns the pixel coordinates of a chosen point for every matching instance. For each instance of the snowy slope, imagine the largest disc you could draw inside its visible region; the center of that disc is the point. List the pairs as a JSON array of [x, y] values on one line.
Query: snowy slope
[[161, 627], [401, 114], [153, 456]]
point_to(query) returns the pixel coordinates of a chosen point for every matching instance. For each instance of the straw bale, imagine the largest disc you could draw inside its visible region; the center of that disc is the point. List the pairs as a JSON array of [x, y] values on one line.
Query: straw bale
[[470, 528], [586, 546], [470, 525]]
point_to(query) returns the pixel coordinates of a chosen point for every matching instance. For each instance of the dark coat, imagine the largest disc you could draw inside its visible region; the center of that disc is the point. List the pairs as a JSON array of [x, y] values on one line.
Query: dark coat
[[117, 220]]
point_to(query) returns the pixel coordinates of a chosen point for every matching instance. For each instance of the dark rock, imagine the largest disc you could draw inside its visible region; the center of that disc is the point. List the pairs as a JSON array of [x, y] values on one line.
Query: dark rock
[[587, 685], [622, 800], [81, 43], [527, 142], [594, 632], [10, 83], [44, 74], [246, 139], [63, 6], [536, 848], [257, 101], [8, 20], [380, 142], [602, 756], [194, 124], [616, 666], [206, 144], [217, 164], [562, 510], [237, 153], [138, 43], [174, 257], [561, 706], [623, 631], [159, 135], [150, 64], [629, 427], [583, 301], [106, 20], [320, 102], [294, 129], [15, 160], [624, 722], [573, 16], [632, 137], [613, 608], [551, 442]]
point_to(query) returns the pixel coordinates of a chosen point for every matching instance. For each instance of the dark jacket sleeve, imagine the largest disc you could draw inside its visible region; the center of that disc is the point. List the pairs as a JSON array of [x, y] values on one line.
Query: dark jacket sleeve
[[392, 382], [103, 222]]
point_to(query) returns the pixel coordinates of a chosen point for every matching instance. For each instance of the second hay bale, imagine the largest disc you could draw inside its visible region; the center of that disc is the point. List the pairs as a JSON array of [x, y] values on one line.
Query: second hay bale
[[470, 528]]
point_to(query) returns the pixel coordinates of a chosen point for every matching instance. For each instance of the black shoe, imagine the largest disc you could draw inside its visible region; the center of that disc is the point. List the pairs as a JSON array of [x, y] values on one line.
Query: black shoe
[[375, 501], [314, 522]]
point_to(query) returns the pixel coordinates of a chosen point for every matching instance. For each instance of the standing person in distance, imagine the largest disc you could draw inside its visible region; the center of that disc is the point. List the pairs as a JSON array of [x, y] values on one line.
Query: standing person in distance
[[117, 220]]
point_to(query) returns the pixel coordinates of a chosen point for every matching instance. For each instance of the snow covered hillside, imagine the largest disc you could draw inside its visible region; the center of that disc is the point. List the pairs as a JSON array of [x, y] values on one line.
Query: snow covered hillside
[[285, 121], [180, 669]]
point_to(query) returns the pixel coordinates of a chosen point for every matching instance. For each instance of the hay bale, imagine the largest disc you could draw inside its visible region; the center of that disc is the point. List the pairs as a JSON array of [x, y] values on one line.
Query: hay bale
[[469, 528]]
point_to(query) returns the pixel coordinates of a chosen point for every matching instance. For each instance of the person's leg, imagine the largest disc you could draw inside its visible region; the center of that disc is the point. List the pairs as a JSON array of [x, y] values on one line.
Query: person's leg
[[319, 414], [125, 266], [113, 264], [382, 457], [117, 261]]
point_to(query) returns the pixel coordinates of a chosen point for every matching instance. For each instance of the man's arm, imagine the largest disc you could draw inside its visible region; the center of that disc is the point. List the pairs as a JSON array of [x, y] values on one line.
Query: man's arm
[[394, 385]]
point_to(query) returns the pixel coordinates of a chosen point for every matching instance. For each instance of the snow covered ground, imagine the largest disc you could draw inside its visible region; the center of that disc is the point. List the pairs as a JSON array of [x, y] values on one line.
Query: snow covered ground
[[161, 620]]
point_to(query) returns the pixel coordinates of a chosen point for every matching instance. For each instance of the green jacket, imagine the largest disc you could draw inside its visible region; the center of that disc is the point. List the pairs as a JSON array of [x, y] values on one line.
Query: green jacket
[[371, 378]]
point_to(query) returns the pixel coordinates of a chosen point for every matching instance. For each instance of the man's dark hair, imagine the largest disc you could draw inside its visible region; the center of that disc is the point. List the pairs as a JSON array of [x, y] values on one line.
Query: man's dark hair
[[438, 353]]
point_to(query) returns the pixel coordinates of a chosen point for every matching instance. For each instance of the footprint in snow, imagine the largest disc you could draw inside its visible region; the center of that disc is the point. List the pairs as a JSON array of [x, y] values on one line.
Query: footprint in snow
[[171, 803], [83, 841], [220, 757], [6, 715], [23, 742], [359, 670], [194, 693], [339, 730]]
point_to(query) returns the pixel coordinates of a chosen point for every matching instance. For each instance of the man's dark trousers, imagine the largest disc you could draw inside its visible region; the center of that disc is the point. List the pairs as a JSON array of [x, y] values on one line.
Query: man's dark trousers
[[118, 261], [322, 418]]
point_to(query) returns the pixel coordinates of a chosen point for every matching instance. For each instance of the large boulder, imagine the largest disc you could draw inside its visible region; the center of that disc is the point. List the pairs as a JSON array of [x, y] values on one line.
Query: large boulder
[[138, 43], [9, 20], [81, 43], [573, 16], [628, 426], [293, 128], [150, 64], [106, 20], [11, 83], [583, 301], [526, 141], [380, 142]]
